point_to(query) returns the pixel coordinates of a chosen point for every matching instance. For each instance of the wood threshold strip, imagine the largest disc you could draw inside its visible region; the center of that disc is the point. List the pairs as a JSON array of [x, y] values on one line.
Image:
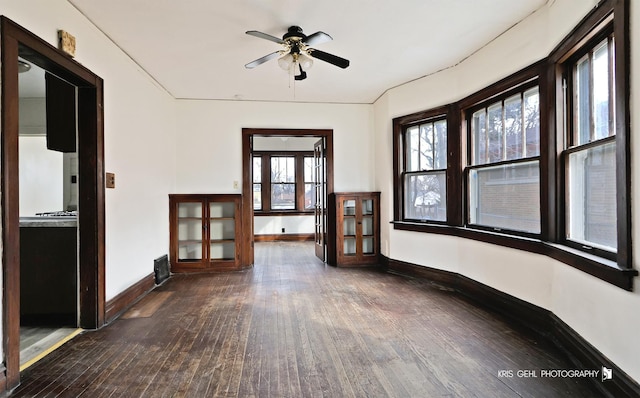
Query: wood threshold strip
[[284, 238], [539, 320]]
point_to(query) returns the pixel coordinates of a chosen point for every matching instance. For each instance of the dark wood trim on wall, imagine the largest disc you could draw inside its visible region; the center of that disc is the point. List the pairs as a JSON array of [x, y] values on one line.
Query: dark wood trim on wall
[[91, 217], [539, 320], [17, 41], [623, 132], [10, 203], [246, 255], [284, 238], [123, 301], [399, 159], [247, 189]]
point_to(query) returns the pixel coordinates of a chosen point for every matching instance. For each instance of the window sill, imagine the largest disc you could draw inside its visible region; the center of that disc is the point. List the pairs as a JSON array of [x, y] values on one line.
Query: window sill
[[598, 267], [282, 213]]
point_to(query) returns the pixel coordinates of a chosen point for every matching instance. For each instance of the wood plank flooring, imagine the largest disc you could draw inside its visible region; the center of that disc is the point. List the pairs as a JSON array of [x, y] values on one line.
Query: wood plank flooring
[[295, 327]]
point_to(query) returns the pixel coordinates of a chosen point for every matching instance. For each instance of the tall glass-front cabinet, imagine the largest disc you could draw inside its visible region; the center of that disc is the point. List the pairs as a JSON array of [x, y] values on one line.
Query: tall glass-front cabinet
[[205, 232], [356, 221]]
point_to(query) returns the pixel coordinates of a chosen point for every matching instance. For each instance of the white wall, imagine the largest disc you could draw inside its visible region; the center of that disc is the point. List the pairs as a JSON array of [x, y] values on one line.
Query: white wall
[[603, 314], [210, 149], [139, 140], [267, 225], [41, 170], [209, 143], [41, 176]]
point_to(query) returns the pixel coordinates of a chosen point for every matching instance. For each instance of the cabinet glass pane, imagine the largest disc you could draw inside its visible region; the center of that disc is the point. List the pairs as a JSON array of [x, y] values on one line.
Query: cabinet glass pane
[[349, 246], [349, 226], [222, 229], [189, 229], [367, 245], [222, 209], [367, 226], [190, 251], [349, 207], [222, 251], [367, 206], [189, 210]]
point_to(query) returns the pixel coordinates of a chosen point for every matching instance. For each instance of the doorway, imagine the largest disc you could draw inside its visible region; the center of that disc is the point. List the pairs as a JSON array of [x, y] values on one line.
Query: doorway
[[325, 137], [48, 211], [18, 43]]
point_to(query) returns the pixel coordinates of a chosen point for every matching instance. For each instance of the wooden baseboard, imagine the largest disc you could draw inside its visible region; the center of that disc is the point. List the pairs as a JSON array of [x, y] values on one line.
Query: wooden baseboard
[[587, 356], [127, 298], [284, 237], [539, 320]]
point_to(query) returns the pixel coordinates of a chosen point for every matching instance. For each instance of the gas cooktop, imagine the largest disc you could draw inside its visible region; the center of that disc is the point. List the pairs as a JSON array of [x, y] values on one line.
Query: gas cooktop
[[64, 213]]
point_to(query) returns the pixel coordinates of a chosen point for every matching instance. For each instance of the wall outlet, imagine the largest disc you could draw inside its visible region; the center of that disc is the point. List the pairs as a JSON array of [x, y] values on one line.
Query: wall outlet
[[282, 230], [235, 185]]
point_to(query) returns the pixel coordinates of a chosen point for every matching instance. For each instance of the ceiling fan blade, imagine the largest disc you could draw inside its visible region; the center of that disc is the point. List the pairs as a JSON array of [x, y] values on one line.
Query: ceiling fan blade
[[330, 58], [265, 36], [317, 38], [262, 60]]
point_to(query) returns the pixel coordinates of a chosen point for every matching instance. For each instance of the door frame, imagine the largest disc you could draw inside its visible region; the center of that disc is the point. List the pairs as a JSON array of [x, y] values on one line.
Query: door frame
[[17, 41], [247, 189], [320, 221]]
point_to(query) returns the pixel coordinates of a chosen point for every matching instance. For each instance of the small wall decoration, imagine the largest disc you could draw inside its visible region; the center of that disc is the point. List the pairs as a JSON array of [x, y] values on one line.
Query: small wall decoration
[[67, 42]]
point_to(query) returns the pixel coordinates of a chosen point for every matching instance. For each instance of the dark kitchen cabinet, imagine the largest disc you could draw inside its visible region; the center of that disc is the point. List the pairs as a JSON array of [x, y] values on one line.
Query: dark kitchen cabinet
[[205, 232], [355, 218]]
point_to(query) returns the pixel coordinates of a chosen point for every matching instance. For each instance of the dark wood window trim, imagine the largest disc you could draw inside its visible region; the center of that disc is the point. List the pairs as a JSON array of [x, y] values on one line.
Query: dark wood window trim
[[266, 183], [518, 83], [400, 124], [550, 242]]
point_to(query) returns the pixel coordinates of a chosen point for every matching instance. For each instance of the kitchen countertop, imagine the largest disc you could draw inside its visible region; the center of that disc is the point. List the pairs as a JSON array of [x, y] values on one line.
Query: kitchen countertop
[[32, 222]]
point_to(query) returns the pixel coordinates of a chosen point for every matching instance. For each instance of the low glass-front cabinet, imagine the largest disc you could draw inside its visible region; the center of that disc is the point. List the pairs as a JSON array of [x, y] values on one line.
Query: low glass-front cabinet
[[205, 232], [354, 216]]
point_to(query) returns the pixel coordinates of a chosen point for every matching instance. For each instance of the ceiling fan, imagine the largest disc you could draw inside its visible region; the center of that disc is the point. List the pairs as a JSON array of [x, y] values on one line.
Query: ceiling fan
[[296, 54]]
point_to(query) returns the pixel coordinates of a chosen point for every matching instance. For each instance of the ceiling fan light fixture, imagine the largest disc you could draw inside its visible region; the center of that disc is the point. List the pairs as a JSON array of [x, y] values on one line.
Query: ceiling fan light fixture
[[23, 66], [286, 62], [297, 56], [305, 61]]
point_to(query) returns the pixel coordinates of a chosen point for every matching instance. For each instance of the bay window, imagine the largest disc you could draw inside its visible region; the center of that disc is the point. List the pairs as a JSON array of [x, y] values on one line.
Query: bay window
[[538, 161]]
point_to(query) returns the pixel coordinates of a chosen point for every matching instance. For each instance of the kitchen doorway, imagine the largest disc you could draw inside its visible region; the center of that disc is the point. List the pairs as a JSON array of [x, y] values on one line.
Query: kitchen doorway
[[20, 44], [48, 204]]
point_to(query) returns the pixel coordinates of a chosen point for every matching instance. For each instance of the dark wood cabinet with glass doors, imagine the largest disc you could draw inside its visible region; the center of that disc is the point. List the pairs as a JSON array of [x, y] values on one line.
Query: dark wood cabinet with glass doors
[[205, 232], [354, 218]]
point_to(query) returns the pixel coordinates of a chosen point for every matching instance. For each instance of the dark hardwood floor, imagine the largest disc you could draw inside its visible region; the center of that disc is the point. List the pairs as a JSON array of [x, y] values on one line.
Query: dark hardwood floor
[[295, 327]]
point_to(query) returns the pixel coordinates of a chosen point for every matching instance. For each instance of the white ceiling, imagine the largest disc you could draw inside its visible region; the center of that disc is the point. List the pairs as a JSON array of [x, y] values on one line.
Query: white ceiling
[[197, 49]]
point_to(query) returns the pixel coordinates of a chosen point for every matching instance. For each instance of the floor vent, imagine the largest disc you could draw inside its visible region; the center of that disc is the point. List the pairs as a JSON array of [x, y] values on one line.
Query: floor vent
[[161, 269]]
